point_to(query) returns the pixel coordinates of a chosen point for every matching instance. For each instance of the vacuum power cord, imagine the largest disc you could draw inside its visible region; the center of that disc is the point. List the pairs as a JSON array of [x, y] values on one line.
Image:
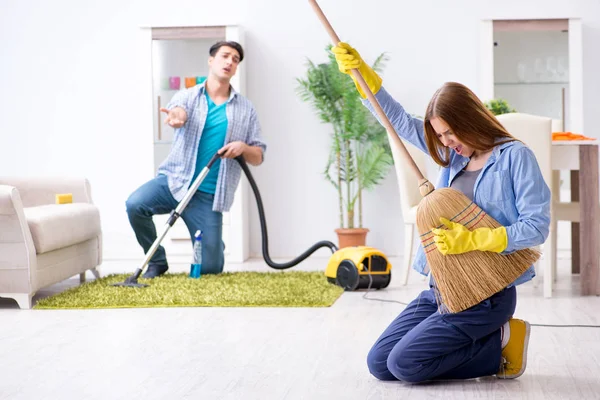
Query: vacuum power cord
[[376, 299]]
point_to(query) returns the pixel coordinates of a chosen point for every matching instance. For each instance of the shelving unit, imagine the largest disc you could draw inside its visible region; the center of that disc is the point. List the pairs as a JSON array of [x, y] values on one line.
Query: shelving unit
[[536, 65], [183, 52], [531, 68]]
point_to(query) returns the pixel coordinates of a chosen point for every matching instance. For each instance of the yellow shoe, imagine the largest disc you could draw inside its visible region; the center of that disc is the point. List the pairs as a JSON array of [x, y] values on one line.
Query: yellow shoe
[[514, 355]]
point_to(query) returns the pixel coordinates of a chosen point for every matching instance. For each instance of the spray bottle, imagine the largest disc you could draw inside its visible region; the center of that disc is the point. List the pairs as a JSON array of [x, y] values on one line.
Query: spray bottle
[[196, 267]]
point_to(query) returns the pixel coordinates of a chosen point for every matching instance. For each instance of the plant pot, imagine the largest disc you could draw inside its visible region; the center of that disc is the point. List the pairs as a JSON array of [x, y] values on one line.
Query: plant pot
[[348, 237]]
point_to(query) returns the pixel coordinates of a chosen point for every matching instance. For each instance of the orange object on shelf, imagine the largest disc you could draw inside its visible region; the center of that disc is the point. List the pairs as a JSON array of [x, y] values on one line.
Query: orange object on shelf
[[569, 136], [189, 82]]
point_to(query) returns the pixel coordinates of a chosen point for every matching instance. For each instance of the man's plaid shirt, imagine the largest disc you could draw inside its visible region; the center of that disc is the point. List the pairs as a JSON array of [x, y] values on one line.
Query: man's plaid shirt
[[242, 126]]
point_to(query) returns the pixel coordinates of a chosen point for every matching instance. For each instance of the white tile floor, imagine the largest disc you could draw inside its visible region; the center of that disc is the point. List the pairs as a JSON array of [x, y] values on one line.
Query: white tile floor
[[262, 353]]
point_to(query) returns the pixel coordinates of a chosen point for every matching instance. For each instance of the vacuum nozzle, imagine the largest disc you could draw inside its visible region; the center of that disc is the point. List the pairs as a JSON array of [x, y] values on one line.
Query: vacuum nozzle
[[132, 281]]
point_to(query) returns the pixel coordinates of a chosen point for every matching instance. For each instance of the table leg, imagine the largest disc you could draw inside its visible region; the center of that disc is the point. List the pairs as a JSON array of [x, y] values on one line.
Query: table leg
[[590, 219], [575, 260]]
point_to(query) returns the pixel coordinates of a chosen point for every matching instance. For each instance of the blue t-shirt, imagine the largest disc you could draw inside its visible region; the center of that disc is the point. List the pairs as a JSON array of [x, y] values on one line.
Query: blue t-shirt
[[212, 139]]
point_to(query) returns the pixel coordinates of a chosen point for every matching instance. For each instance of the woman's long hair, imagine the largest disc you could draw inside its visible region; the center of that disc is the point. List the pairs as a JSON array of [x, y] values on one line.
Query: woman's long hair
[[468, 118]]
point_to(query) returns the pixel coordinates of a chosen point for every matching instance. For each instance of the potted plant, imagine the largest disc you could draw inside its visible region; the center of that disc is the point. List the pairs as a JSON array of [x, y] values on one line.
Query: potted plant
[[360, 156], [499, 106]]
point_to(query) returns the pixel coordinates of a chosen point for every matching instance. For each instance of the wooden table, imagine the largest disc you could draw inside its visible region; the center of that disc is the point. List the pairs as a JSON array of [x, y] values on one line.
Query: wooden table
[[582, 156]]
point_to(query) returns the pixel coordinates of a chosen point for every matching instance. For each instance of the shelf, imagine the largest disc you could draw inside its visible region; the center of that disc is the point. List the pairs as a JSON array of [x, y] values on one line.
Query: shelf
[[529, 83]]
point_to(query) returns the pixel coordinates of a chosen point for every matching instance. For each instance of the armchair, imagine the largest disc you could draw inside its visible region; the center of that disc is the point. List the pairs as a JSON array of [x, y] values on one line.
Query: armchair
[[43, 243]]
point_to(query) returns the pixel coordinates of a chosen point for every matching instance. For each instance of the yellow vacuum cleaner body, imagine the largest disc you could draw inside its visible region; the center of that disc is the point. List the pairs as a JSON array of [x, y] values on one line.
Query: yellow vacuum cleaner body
[[359, 267]]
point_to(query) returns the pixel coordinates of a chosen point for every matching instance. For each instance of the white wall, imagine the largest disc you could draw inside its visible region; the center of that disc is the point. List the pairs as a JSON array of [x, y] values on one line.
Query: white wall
[[71, 69]]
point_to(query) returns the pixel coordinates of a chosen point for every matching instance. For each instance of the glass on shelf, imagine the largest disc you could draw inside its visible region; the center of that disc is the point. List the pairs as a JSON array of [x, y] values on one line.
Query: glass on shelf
[[562, 69], [522, 72], [540, 69], [551, 66]]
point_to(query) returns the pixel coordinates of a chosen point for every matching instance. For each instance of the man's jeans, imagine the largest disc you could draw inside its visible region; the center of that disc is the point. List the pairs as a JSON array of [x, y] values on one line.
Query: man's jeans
[[154, 197]]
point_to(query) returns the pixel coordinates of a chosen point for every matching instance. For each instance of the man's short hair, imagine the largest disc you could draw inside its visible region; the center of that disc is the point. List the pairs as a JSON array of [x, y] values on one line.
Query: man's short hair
[[230, 43]]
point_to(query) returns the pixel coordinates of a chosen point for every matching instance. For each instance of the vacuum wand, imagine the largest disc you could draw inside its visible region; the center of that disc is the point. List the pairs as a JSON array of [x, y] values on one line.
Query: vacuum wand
[[132, 281]]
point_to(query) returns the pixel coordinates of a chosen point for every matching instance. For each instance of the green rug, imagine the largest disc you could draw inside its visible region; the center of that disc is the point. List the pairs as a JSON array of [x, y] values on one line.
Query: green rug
[[232, 289]]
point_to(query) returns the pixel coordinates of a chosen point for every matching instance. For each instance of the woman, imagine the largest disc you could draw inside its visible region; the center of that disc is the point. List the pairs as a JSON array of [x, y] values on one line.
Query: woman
[[501, 175]]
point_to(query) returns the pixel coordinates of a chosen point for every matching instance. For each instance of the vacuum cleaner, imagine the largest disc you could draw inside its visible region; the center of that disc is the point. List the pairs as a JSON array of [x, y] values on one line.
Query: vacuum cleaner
[[352, 268]]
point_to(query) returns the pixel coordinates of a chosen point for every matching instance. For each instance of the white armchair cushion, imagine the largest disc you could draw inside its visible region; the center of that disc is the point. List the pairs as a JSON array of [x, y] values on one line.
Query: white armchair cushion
[[54, 226]]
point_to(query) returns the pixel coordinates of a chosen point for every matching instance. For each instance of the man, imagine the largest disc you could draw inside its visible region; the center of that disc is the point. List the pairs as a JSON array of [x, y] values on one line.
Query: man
[[207, 118]]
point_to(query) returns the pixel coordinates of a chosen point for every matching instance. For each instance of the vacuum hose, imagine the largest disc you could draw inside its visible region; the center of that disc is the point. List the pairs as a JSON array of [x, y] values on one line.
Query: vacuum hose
[[263, 227]]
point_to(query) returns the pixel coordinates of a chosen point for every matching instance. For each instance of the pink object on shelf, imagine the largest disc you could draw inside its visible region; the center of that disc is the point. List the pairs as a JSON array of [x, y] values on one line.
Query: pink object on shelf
[[175, 82]]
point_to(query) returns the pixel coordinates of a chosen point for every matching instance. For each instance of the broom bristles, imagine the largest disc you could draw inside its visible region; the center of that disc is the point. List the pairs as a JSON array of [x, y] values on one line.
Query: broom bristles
[[464, 280]]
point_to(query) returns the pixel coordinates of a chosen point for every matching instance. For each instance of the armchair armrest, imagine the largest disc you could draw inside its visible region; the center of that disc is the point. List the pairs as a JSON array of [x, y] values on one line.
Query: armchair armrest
[[17, 251], [11, 210], [37, 191]]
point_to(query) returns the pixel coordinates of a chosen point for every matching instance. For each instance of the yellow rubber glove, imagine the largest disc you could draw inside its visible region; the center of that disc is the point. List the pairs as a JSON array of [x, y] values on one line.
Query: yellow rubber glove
[[348, 58], [458, 239]]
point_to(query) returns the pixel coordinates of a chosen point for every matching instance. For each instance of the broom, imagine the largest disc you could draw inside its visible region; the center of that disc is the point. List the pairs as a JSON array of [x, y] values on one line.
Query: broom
[[463, 280]]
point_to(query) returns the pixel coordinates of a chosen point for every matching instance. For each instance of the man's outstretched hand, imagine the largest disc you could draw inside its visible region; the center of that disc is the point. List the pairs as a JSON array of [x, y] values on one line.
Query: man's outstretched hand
[[176, 117]]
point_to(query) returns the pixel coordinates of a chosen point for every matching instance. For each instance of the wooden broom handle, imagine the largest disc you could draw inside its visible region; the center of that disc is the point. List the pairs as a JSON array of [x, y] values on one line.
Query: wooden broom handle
[[425, 187]]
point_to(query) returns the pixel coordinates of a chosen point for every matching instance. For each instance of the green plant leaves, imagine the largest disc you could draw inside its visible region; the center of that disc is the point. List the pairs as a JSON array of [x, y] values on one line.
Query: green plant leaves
[[360, 156]]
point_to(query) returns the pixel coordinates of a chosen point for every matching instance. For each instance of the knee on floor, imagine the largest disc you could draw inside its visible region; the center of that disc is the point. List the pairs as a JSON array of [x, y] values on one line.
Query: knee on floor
[[211, 267], [407, 371], [377, 364]]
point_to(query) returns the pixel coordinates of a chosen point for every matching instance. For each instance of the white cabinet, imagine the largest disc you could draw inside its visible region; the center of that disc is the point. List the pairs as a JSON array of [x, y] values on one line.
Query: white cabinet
[[531, 69], [179, 57], [536, 65]]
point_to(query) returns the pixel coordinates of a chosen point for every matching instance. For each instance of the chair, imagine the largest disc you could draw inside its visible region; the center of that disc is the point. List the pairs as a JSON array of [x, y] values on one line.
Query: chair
[[409, 198], [563, 210], [43, 243], [536, 133]]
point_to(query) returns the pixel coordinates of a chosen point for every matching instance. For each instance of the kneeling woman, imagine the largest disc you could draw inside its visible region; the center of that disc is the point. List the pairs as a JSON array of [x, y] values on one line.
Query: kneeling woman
[[501, 175]]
